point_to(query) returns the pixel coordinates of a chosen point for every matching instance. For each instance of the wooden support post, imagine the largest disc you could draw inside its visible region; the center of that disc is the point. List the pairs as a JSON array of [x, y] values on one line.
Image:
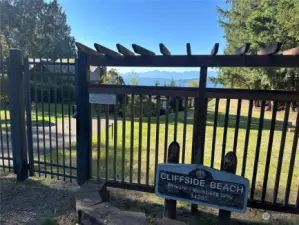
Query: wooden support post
[[83, 119], [199, 129], [17, 114], [173, 157], [230, 166]]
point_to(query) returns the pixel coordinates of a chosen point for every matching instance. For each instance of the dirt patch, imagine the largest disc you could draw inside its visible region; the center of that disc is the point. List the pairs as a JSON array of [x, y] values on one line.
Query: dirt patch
[[36, 199], [32, 201]]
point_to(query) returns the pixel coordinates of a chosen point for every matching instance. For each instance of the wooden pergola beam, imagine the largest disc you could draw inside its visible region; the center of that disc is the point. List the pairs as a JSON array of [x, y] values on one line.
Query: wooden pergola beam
[[286, 61], [215, 49], [85, 49], [105, 51], [164, 50], [243, 49], [188, 46], [142, 51], [123, 50], [292, 51], [270, 50]]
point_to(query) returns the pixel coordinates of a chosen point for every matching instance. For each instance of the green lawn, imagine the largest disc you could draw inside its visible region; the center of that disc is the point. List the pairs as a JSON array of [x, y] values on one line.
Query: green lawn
[[115, 166], [46, 109]]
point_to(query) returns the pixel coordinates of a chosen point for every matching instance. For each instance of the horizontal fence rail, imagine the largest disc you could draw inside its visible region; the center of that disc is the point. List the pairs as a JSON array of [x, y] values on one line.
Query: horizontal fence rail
[[193, 92], [257, 125]]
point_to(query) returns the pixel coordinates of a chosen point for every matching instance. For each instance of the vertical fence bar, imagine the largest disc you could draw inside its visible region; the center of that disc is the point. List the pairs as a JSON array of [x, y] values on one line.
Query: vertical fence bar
[[237, 125], [269, 152], [292, 162], [257, 153], [176, 119], [199, 129], [124, 137], [69, 114], [28, 117], [225, 131], [62, 116], [56, 122], [140, 138], [115, 137], [157, 134], [17, 115], [214, 132], [6, 125], [201, 116], [43, 122], [107, 140], [132, 138], [37, 99], [247, 135], [83, 119], [2, 94], [148, 139], [281, 151], [49, 114], [99, 141], [1, 138], [166, 129], [185, 129]]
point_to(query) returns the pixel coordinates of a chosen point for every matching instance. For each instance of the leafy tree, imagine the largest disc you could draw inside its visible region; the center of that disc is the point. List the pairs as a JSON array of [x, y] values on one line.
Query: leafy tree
[[260, 23], [112, 77], [37, 27], [133, 78], [172, 83], [193, 83], [4, 51]]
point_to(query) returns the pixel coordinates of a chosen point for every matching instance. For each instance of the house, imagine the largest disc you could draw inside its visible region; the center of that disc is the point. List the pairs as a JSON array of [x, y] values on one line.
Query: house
[[61, 66]]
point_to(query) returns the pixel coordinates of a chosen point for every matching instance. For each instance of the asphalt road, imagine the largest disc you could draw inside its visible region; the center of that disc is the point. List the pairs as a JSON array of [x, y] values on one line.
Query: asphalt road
[[46, 137]]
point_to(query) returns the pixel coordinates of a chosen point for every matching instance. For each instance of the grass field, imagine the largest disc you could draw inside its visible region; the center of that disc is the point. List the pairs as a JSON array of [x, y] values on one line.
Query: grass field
[[114, 166], [47, 110]]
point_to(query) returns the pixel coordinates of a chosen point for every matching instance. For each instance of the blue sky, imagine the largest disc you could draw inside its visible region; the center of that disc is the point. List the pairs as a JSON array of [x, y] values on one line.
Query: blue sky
[[147, 23]]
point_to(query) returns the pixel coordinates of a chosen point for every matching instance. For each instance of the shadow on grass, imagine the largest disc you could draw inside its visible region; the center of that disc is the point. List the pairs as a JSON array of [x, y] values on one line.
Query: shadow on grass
[[31, 201], [220, 121], [129, 200]]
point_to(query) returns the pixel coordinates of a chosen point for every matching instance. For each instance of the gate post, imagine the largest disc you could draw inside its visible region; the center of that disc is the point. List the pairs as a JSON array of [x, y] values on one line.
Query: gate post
[[17, 114], [83, 120], [199, 129]]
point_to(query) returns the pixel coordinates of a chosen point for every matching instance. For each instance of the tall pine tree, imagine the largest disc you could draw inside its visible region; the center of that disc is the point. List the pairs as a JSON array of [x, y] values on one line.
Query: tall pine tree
[[261, 23]]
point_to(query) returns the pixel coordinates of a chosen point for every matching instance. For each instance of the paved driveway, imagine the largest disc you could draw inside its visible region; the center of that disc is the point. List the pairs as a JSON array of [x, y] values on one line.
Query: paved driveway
[[46, 137]]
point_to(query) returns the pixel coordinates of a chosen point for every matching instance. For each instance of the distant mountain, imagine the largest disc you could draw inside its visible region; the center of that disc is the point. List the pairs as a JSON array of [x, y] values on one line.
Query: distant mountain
[[164, 77]]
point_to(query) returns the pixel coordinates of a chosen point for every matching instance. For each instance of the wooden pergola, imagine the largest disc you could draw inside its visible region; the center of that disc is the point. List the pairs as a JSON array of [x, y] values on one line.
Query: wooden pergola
[[142, 57]]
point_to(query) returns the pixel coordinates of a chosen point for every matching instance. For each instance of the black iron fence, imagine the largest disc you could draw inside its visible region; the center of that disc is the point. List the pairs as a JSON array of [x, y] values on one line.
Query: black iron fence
[[123, 143], [264, 138], [6, 156]]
